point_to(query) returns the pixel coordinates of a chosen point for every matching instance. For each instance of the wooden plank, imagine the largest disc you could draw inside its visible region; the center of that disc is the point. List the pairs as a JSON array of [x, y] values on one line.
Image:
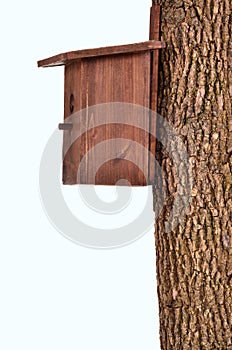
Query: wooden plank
[[154, 35], [92, 81], [155, 23], [72, 103], [68, 57]]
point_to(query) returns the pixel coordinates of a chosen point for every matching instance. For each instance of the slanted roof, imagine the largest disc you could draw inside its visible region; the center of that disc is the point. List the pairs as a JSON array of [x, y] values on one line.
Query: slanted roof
[[69, 57]]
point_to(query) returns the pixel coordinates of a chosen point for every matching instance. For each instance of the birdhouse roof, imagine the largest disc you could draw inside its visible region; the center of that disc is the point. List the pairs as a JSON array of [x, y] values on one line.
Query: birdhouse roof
[[69, 57]]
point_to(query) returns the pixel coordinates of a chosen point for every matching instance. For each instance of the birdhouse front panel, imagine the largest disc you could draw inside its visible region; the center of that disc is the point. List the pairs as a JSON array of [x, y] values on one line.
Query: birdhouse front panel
[[93, 81]]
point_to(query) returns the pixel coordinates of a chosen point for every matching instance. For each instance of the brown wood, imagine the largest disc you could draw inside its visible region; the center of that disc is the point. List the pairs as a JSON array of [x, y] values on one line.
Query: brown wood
[[126, 74], [72, 103], [122, 78], [154, 35], [69, 57]]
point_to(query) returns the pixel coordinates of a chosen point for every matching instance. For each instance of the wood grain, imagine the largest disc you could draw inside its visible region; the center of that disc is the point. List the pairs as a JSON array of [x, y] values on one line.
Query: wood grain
[[154, 35], [126, 74], [91, 81], [70, 57]]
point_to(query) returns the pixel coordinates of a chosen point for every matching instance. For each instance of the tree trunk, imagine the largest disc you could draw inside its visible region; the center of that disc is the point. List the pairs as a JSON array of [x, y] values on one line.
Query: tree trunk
[[194, 260]]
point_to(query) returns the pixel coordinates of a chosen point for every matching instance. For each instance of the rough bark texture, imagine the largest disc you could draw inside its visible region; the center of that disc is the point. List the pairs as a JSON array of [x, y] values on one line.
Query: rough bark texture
[[194, 261]]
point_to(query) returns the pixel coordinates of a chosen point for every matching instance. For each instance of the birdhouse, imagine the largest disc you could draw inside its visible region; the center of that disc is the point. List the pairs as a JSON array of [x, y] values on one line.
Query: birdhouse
[[104, 91]]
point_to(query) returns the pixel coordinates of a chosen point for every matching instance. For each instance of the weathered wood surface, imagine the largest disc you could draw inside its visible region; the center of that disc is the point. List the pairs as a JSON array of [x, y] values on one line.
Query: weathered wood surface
[[122, 78], [69, 57], [154, 35], [126, 74]]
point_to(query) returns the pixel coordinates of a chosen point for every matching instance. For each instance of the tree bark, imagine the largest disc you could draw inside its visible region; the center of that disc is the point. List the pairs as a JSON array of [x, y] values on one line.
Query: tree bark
[[194, 260]]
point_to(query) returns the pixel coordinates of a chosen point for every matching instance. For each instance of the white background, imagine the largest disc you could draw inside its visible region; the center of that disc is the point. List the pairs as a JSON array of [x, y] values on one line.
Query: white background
[[55, 294]]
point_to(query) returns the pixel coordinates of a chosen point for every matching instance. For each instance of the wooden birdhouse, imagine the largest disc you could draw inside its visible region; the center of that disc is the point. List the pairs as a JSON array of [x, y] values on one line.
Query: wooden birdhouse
[[102, 81]]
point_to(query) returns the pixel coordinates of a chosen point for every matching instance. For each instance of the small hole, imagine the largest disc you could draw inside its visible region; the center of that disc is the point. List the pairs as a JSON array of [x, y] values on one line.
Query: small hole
[[71, 103]]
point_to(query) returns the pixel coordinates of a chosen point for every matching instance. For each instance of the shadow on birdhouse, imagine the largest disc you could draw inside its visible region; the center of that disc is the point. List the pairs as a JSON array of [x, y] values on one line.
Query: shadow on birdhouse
[[110, 96]]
